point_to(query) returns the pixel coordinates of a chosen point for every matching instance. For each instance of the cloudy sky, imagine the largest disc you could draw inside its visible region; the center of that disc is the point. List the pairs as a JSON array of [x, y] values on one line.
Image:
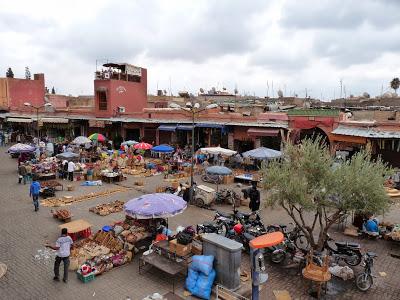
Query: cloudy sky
[[187, 45]]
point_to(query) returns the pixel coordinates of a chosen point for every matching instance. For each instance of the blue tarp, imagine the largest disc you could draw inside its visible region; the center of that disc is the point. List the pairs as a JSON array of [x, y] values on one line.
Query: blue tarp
[[185, 127], [207, 125], [167, 127]]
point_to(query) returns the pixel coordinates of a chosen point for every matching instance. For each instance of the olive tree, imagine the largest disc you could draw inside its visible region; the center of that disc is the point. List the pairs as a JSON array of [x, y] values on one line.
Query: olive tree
[[316, 194]]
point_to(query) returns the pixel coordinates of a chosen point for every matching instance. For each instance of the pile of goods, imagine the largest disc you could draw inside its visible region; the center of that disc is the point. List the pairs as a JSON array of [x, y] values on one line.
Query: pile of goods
[[54, 202], [110, 247], [49, 165], [62, 214], [108, 208], [395, 233]]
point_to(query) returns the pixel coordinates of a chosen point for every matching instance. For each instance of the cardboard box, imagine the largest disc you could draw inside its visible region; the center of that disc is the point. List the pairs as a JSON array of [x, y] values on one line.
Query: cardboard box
[[178, 249], [228, 179]]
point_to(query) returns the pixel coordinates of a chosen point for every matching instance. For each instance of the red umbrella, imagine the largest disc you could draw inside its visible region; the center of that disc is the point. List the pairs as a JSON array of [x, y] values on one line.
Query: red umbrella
[[143, 146]]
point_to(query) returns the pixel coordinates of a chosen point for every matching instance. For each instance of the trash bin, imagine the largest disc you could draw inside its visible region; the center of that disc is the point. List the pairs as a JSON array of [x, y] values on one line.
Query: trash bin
[[227, 258]]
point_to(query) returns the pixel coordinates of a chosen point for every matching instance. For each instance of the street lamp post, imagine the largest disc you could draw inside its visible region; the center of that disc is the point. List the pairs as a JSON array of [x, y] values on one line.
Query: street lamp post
[[37, 116], [193, 109]]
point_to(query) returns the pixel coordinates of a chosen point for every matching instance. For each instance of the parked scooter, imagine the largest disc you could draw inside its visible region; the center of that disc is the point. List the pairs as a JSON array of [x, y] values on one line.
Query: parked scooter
[[349, 252], [211, 227], [365, 280], [244, 234]]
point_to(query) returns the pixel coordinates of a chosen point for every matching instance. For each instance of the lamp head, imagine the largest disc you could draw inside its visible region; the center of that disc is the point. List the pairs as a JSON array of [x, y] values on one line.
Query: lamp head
[[27, 104], [211, 106], [174, 105], [197, 105], [189, 104], [48, 104]]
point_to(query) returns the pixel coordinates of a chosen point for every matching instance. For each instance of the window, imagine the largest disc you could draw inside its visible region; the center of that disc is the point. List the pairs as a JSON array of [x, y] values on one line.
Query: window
[[102, 97]]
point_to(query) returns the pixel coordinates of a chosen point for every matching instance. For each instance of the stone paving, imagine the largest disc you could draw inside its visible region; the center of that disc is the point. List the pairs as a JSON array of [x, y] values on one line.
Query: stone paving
[[23, 232]]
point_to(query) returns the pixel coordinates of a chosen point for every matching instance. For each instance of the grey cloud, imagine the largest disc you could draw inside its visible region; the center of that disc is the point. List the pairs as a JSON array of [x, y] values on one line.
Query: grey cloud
[[340, 14], [122, 32], [19, 23], [356, 47]]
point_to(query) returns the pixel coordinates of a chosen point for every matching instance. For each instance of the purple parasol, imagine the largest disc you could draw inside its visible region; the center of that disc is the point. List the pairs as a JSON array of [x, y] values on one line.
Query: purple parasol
[[20, 148], [159, 205]]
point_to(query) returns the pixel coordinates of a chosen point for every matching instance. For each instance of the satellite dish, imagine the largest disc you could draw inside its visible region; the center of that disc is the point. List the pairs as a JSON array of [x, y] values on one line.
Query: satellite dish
[[224, 88], [236, 91], [165, 92], [280, 94], [202, 90]]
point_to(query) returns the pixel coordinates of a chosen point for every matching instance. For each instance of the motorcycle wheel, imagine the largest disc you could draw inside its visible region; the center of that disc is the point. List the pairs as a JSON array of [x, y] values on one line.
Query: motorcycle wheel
[[302, 243], [223, 229], [364, 282], [278, 258], [353, 259]]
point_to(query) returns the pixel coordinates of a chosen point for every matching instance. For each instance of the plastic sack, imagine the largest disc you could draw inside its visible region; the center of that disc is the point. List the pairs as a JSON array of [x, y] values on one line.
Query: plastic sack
[[204, 285], [191, 280], [202, 263], [343, 272]]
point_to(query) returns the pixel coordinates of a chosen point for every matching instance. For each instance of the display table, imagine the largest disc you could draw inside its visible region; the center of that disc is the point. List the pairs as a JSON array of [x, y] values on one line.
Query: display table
[[51, 184], [46, 176], [77, 229], [110, 179], [244, 178], [162, 263]]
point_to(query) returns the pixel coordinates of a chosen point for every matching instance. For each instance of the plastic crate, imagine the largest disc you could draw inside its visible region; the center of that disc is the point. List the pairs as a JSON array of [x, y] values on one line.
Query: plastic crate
[[85, 278]]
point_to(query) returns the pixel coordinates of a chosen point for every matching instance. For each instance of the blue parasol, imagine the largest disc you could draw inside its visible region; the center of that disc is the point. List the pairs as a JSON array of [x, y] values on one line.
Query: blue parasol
[[219, 170], [160, 205], [262, 153], [163, 149], [21, 148], [129, 143]]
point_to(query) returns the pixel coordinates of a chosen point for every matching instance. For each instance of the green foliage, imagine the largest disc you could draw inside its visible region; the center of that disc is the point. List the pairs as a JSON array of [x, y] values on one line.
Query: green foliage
[[9, 73], [395, 83], [304, 183]]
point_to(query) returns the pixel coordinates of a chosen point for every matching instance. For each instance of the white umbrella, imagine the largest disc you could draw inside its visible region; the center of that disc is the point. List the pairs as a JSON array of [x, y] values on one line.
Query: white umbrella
[[81, 140], [262, 153], [218, 150]]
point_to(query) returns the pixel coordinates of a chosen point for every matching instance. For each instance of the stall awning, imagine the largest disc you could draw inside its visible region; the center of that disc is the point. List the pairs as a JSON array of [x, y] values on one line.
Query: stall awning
[[209, 125], [366, 132], [185, 127], [167, 127], [262, 132], [55, 120], [19, 120]]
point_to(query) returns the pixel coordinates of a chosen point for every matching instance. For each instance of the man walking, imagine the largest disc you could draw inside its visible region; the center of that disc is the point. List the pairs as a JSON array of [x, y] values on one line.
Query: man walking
[[34, 192], [71, 169], [63, 247], [254, 196]]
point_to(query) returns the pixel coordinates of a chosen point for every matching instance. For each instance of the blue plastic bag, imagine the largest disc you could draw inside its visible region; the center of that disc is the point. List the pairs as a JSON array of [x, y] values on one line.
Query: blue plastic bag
[[191, 280], [202, 263], [204, 285]]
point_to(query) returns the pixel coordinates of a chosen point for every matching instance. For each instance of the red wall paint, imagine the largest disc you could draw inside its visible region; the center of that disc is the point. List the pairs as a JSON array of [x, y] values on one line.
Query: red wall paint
[[131, 95], [25, 90]]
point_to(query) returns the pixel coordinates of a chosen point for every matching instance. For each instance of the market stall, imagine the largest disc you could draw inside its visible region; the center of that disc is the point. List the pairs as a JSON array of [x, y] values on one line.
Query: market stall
[[77, 229]]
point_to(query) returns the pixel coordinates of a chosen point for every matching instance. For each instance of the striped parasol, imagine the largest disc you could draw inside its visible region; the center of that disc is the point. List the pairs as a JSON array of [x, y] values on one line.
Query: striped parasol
[[97, 137], [143, 146]]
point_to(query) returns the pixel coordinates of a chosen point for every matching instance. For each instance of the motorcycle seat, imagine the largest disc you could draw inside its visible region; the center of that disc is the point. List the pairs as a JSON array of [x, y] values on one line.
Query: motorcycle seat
[[224, 214], [347, 244], [208, 224], [371, 254], [245, 215], [248, 236]]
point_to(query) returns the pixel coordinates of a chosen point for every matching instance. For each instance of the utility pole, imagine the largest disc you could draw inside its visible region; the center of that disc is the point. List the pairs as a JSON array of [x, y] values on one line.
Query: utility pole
[[341, 88]]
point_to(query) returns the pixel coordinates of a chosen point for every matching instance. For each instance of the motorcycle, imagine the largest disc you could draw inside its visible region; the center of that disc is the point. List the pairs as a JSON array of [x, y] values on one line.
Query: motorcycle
[[244, 234], [215, 179], [349, 252], [295, 235], [365, 280], [211, 227], [226, 220]]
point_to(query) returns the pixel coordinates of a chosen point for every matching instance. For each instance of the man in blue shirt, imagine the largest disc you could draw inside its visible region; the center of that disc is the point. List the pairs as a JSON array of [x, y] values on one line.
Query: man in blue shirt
[[371, 226], [34, 192]]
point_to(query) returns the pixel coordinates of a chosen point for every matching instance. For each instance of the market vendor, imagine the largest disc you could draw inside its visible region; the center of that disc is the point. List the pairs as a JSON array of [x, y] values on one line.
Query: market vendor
[[63, 247], [370, 226]]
